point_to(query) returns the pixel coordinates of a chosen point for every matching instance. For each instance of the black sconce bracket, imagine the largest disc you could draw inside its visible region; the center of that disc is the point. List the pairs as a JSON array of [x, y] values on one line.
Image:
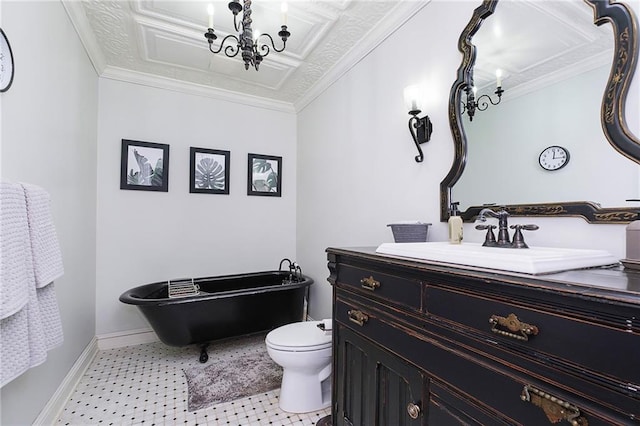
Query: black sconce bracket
[[480, 104], [421, 129]]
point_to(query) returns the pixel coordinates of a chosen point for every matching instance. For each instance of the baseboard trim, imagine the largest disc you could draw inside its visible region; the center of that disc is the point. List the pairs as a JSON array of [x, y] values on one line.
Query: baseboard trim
[[54, 407], [126, 338]]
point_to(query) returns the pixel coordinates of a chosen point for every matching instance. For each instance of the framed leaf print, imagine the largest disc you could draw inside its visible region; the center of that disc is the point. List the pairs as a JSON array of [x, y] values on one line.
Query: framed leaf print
[[209, 171], [264, 175], [144, 166]]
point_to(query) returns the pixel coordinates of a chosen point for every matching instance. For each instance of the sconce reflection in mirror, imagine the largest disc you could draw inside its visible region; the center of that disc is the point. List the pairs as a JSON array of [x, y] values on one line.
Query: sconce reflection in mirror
[[419, 127], [482, 103]]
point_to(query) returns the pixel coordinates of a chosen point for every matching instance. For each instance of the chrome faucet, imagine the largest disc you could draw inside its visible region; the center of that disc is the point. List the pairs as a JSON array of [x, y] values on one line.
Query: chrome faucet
[[503, 226]]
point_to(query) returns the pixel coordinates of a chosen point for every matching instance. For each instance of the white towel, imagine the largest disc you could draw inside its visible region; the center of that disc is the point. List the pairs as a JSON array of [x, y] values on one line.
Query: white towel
[[14, 248], [49, 316], [47, 258], [27, 334], [23, 337]]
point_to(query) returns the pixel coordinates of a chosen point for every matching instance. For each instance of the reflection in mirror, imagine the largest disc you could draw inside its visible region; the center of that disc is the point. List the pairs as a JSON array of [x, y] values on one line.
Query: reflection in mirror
[[555, 65]]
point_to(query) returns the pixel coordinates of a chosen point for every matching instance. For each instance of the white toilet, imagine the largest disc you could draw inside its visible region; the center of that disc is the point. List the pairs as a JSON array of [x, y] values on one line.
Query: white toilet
[[304, 352]]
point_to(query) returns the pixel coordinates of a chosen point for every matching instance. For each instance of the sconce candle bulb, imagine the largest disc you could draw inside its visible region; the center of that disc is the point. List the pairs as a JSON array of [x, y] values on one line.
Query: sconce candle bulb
[[498, 78]]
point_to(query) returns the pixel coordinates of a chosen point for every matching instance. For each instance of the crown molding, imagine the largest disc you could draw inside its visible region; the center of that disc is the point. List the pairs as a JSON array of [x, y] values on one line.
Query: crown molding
[[85, 33], [570, 71], [395, 19], [143, 79]]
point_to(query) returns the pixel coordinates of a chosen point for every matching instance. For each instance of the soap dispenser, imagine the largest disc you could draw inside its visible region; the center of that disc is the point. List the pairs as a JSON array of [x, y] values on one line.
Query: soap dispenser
[[455, 224]]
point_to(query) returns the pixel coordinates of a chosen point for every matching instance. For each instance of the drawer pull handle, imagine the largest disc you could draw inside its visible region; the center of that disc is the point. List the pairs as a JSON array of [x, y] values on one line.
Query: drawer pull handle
[[555, 408], [413, 410], [517, 329], [358, 317], [370, 283]]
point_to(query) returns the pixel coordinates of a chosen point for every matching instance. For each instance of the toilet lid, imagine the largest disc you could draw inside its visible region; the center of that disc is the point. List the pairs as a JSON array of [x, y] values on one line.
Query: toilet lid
[[298, 335]]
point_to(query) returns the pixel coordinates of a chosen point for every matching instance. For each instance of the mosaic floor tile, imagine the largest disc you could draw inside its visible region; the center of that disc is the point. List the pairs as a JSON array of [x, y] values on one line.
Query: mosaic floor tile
[[145, 385]]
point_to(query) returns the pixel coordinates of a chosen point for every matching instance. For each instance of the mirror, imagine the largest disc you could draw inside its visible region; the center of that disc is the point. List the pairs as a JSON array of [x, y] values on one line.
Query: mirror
[[556, 65]]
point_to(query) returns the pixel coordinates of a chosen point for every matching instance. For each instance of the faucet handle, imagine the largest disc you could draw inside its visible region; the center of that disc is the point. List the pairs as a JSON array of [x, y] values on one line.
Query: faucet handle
[[490, 238], [518, 238]]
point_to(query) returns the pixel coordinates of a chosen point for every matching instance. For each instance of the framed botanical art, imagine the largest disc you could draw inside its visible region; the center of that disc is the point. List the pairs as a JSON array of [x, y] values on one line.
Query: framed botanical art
[[264, 175], [209, 171], [144, 166]]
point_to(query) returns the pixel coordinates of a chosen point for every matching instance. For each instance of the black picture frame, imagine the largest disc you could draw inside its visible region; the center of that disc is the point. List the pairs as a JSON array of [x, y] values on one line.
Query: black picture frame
[[144, 166], [209, 171], [264, 175]]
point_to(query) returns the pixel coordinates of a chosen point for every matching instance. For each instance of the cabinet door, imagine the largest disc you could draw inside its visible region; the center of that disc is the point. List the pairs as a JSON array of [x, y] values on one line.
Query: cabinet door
[[374, 387]]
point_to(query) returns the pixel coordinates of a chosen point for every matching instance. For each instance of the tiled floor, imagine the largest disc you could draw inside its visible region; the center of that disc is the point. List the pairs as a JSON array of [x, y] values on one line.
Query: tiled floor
[[145, 384]]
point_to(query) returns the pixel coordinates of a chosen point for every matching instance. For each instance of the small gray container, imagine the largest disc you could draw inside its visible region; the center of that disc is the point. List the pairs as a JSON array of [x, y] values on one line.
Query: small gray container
[[409, 232]]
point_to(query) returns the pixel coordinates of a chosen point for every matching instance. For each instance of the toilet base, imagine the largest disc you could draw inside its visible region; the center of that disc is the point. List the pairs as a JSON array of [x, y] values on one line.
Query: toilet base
[[302, 393], [325, 421]]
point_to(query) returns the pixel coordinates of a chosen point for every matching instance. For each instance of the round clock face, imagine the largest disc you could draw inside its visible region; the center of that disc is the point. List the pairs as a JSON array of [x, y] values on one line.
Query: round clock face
[[554, 158], [6, 63]]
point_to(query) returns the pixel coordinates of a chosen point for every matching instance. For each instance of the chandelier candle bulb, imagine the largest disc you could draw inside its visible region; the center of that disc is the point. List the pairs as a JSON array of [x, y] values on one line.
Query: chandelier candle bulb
[[243, 42], [498, 78], [284, 8], [210, 13]]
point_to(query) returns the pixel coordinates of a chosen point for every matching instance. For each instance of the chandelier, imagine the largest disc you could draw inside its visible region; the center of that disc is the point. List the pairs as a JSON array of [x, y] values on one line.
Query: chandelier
[[253, 51], [482, 103]]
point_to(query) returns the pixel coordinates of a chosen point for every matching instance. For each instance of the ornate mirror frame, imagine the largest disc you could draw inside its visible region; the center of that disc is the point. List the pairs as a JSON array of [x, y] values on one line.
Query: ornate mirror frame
[[613, 120]]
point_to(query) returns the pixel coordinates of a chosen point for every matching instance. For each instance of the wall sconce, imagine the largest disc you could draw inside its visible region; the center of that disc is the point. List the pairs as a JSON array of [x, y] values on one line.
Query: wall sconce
[[483, 101], [420, 128]]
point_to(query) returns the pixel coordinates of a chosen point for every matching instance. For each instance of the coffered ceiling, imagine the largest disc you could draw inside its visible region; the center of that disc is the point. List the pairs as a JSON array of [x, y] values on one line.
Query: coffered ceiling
[[161, 43]]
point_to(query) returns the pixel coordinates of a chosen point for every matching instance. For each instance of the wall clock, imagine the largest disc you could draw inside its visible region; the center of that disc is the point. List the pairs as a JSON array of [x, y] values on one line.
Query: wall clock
[[6, 63], [554, 158]]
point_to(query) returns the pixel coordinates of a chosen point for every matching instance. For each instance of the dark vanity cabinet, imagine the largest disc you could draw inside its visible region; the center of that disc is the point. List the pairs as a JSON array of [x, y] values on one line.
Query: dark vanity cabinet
[[420, 343]]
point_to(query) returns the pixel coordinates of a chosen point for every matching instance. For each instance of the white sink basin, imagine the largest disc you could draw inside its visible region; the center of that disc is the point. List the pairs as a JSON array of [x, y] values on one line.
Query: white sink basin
[[534, 260]]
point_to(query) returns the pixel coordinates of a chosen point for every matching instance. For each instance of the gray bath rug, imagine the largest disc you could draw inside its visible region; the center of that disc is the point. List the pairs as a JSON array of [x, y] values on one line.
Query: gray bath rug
[[236, 369]]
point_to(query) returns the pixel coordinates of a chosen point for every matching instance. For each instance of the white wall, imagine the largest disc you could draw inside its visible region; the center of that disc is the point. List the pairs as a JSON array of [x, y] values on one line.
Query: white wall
[[49, 118], [356, 171], [356, 168], [144, 237]]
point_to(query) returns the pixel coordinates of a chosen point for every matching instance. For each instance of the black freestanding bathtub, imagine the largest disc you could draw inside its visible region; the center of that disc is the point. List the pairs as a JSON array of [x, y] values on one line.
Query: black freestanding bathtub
[[227, 306]]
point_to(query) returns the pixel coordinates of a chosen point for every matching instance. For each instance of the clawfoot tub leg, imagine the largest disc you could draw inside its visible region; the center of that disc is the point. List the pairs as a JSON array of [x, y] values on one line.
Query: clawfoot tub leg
[[204, 356]]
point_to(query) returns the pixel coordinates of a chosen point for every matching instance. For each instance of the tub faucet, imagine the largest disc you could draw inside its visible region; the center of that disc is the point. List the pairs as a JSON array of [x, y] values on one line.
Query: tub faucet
[[503, 226], [295, 271]]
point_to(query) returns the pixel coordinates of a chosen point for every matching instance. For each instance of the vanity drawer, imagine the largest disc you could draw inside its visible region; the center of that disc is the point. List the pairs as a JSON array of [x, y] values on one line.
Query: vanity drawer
[[462, 389], [550, 336], [373, 283], [366, 322]]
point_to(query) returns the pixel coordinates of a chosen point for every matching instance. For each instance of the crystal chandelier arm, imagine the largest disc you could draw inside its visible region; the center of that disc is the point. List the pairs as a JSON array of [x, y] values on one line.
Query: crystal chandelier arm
[[231, 50]]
